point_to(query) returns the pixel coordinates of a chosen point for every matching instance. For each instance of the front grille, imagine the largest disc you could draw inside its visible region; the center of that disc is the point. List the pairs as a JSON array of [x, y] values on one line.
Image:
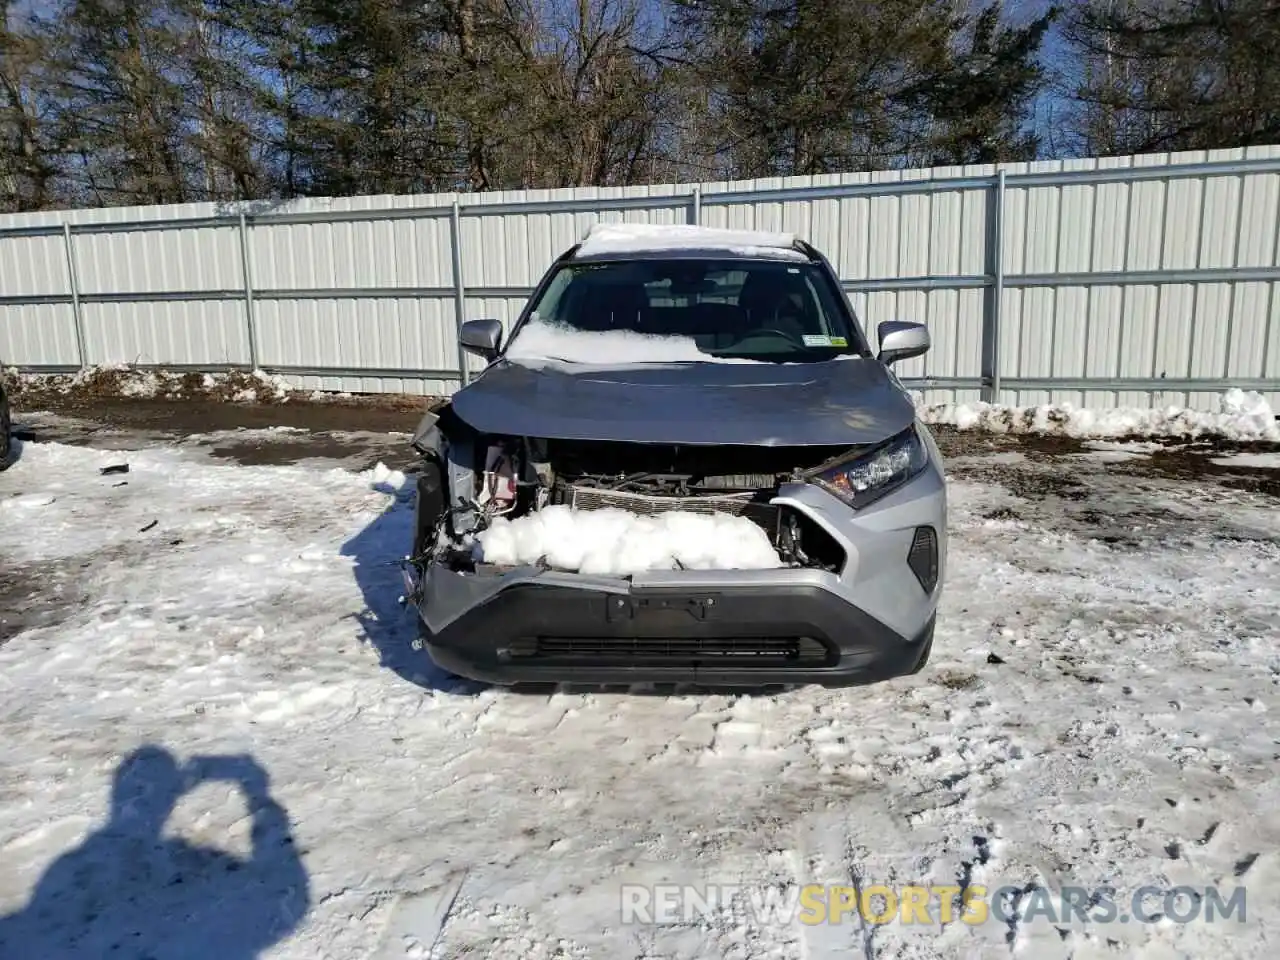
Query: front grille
[[747, 504], [731, 652]]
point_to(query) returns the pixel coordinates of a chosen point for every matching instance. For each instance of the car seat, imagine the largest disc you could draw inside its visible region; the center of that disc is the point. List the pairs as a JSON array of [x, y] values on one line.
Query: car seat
[[774, 300]]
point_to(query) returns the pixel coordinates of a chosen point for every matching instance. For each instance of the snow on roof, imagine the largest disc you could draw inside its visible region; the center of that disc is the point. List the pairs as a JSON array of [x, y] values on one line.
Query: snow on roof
[[615, 238]]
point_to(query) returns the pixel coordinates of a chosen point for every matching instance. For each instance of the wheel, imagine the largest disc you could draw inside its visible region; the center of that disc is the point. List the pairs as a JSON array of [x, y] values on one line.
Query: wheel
[[6, 432]]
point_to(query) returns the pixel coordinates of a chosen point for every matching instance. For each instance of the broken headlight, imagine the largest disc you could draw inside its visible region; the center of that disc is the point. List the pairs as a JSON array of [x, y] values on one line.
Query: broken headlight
[[870, 476]]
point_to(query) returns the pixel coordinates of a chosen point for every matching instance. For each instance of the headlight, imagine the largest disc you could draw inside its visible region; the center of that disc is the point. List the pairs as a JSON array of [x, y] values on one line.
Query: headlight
[[870, 476]]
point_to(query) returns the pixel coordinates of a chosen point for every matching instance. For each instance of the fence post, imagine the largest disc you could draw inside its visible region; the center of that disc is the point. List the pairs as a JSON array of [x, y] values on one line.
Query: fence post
[[247, 275], [459, 292], [73, 278], [995, 296], [695, 209]]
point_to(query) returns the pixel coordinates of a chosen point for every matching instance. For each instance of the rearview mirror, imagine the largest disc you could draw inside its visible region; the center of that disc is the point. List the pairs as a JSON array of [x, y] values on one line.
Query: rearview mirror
[[900, 340], [482, 337]]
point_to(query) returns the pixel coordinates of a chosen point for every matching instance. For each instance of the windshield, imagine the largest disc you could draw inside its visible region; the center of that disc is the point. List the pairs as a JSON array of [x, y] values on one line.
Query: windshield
[[691, 309]]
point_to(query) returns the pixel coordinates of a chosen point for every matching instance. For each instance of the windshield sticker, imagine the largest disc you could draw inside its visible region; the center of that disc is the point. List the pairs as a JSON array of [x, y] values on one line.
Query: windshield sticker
[[812, 340], [839, 342]]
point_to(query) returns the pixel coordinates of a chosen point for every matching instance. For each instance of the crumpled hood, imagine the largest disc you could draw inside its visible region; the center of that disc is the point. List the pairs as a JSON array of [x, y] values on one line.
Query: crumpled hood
[[847, 401]]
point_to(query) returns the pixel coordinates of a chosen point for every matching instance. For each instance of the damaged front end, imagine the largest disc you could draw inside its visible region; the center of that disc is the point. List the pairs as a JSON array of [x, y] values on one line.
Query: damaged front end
[[469, 479], [849, 599]]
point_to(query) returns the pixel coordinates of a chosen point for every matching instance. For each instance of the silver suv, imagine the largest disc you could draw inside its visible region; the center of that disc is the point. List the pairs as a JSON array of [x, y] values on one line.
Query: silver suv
[[684, 464]]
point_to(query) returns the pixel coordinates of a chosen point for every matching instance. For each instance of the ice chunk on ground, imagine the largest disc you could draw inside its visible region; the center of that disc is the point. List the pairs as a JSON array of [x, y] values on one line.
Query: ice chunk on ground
[[1259, 461], [1136, 447], [1242, 416], [617, 542], [383, 477], [609, 238]]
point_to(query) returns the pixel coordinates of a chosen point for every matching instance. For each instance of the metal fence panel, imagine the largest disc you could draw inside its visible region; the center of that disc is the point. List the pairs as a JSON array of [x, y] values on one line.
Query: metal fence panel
[[158, 261], [181, 333], [353, 254], [38, 335], [33, 266], [384, 333], [1148, 278]]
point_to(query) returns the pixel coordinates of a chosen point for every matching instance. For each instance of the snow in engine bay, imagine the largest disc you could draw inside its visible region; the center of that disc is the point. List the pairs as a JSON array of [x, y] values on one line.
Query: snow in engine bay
[[615, 542]]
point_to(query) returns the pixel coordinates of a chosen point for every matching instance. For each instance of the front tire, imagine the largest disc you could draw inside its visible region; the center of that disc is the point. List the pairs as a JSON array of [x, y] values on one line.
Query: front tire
[[6, 436]]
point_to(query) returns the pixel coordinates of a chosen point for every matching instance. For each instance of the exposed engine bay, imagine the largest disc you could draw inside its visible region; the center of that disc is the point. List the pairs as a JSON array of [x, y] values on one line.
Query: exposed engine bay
[[469, 480]]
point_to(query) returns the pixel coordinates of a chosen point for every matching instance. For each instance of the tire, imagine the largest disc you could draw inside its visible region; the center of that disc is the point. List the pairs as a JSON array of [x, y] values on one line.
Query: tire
[[6, 433]]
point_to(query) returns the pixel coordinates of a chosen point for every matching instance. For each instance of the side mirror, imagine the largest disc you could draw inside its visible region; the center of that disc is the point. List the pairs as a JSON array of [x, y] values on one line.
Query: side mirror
[[900, 340], [482, 337]]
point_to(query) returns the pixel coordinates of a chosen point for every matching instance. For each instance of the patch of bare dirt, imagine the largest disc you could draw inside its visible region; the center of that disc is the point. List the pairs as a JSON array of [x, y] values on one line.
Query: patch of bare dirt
[[31, 598], [1194, 462], [354, 451], [953, 443]]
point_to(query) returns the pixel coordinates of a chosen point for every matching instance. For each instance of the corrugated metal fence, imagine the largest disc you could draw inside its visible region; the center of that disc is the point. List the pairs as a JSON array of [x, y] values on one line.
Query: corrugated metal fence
[[1127, 280]]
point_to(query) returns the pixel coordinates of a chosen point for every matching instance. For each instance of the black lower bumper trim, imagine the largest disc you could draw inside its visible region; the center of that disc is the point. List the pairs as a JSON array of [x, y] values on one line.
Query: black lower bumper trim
[[742, 636]]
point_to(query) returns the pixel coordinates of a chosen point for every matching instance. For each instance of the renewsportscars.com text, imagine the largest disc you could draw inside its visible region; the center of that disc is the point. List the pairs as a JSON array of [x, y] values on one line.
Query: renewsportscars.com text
[[815, 904]]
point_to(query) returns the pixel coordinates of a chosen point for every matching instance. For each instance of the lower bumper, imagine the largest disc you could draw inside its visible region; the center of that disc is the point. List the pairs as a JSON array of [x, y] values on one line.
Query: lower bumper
[[723, 636]]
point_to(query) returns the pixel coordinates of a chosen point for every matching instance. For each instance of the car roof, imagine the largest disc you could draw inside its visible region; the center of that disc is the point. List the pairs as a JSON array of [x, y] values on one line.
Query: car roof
[[614, 241]]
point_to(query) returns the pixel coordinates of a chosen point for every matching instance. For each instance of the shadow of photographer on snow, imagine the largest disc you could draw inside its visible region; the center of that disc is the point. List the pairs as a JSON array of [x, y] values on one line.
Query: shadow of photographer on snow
[[130, 891]]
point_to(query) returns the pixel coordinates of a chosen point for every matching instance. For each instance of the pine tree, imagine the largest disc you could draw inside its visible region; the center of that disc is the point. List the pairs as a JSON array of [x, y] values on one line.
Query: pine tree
[[1177, 74]]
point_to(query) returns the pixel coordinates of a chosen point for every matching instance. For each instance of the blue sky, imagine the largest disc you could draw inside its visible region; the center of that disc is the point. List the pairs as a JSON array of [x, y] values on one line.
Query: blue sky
[[1049, 104]]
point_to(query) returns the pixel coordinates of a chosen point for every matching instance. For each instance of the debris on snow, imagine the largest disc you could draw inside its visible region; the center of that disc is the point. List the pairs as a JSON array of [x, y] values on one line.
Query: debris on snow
[[613, 542], [1242, 416]]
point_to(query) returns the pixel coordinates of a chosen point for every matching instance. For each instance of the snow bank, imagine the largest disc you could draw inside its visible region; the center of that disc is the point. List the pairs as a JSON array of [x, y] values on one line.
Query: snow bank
[[1242, 416], [123, 380], [539, 340], [622, 238], [617, 542]]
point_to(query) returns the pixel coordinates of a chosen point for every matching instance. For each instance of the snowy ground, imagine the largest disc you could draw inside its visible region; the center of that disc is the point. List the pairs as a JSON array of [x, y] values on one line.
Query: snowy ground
[[1101, 709]]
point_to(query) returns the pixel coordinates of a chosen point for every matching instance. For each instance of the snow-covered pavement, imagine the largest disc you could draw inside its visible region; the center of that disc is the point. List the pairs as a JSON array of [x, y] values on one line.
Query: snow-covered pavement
[[1101, 710]]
